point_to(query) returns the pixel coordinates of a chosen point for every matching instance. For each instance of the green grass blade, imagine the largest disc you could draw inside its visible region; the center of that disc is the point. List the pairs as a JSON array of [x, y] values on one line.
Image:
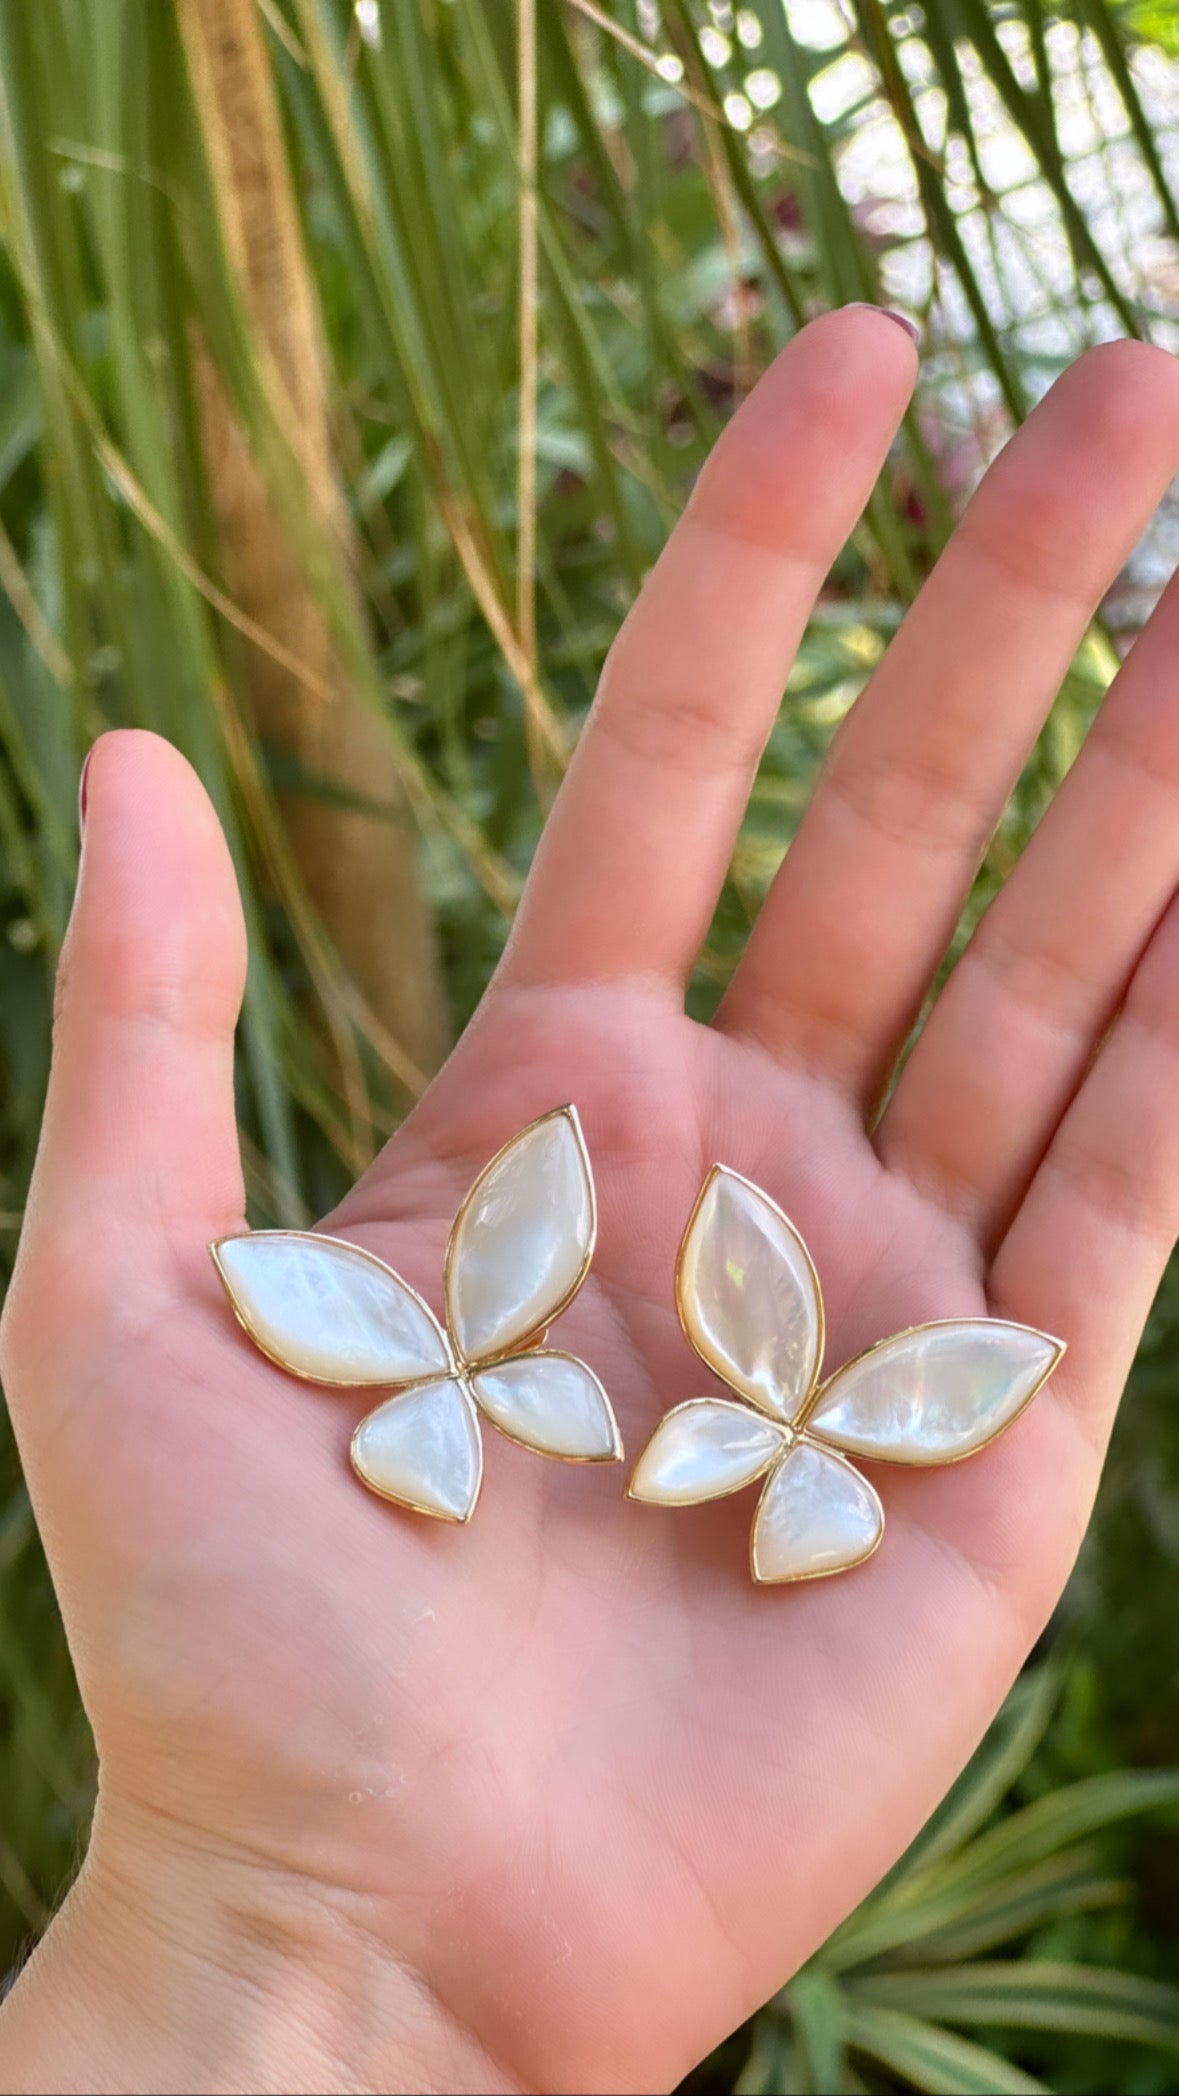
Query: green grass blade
[[998, 1764], [925, 2057], [1083, 2000]]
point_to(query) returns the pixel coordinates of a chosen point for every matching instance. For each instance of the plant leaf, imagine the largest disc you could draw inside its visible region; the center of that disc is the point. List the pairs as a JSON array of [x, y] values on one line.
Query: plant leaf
[[933, 2059], [1037, 1995], [816, 2005], [946, 1923], [771, 2068], [1063, 1816], [984, 1783], [1063, 1885], [956, 1885]]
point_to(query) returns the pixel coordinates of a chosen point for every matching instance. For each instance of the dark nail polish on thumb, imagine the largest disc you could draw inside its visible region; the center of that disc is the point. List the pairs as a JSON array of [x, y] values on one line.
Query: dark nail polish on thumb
[[889, 313], [902, 320], [82, 790]]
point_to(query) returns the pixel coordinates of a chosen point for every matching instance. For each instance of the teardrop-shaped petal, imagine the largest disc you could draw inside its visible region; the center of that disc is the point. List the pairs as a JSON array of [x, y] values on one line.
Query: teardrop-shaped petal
[[816, 1516], [552, 1403], [328, 1311], [748, 1296], [423, 1450], [523, 1239], [937, 1393], [702, 1450]]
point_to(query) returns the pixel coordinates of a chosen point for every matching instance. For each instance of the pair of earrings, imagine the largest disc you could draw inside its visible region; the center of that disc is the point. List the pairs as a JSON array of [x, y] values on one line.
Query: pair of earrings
[[749, 1302]]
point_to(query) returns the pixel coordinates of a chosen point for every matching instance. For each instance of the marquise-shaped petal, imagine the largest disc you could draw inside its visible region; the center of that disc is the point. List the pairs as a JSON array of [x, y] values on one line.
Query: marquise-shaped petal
[[702, 1450], [748, 1295], [816, 1516], [550, 1402], [423, 1450], [523, 1239], [934, 1394], [328, 1310]]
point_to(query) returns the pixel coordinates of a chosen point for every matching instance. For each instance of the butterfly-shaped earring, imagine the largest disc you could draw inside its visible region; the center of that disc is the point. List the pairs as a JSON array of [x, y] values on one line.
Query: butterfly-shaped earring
[[518, 1253], [750, 1303]]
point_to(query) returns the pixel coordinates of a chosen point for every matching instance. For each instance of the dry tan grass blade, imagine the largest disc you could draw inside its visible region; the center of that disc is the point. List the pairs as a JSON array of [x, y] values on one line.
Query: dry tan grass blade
[[359, 868]]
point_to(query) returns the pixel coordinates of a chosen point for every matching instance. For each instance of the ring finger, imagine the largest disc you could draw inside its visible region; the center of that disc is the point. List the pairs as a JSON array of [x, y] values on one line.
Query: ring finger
[[865, 903], [1012, 1033]]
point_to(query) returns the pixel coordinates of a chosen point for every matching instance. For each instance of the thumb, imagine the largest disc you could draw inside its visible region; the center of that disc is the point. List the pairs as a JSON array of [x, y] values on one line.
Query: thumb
[[138, 1161]]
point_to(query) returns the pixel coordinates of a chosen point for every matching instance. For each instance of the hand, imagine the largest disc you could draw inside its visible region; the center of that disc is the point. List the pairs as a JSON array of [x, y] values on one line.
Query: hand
[[555, 1800]]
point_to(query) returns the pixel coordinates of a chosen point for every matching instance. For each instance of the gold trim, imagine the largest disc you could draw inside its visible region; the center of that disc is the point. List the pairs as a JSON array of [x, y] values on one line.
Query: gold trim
[[415, 1506], [453, 1367], [934, 1324], [798, 1579], [531, 1338], [448, 1366], [733, 1404], [553, 1353], [725, 1171], [797, 1429]]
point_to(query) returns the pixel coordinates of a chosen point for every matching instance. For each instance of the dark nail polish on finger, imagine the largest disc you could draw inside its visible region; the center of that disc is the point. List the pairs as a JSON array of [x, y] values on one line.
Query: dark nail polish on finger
[[889, 313]]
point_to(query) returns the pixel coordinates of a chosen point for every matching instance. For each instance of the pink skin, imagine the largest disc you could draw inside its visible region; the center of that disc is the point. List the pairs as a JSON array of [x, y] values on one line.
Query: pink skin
[[555, 1800]]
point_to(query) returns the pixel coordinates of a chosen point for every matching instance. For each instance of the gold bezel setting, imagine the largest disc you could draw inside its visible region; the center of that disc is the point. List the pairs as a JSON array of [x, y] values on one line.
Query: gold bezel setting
[[450, 1365], [459, 1366], [798, 1407]]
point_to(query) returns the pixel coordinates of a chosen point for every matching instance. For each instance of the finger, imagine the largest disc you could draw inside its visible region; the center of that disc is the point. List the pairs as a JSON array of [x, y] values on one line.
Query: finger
[[640, 838], [1086, 1251], [1011, 1035], [138, 1160], [866, 901]]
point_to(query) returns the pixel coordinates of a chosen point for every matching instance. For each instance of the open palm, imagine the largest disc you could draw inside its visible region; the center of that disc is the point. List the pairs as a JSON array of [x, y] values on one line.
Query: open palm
[[566, 1768]]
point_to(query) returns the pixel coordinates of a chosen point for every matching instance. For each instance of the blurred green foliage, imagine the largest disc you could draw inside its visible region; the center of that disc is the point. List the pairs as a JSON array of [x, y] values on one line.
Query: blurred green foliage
[[707, 175], [1019, 1857]]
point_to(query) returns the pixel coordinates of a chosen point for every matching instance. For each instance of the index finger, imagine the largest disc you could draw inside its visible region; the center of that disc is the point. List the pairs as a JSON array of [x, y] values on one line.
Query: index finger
[[639, 840]]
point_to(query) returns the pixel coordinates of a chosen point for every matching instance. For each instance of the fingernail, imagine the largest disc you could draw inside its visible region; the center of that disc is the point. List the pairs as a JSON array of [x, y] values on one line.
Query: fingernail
[[889, 313], [82, 789], [902, 320]]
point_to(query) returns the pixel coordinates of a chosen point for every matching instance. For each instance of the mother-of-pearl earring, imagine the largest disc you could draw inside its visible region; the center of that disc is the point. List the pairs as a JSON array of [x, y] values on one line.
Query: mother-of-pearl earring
[[518, 1253], [750, 1303]]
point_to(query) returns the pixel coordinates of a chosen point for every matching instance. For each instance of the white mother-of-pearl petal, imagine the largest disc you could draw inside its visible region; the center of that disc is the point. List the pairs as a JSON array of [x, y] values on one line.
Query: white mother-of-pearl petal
[[328, 1310], [936, 1394], [550, 1402], [423, 1449], [817, 1515], [748, 1296], [522, 1240], [702, 1450]]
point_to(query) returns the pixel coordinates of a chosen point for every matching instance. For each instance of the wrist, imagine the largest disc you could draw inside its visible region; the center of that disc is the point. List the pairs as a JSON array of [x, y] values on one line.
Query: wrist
[[170, 1969]]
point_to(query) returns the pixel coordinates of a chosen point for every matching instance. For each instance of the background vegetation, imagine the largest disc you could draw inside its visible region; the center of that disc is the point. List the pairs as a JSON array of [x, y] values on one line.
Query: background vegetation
[[354, 360]]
